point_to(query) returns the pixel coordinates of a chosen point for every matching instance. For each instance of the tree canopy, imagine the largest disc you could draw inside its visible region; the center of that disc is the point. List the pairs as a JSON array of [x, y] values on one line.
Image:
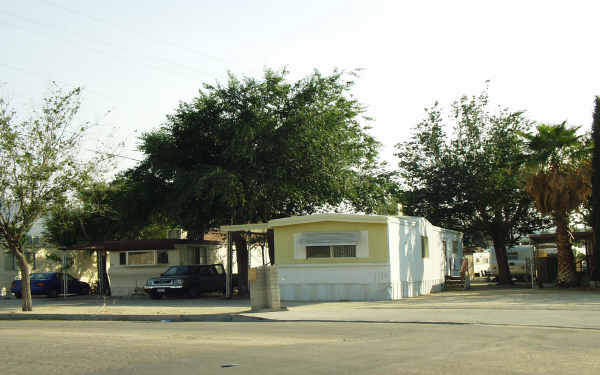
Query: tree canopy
[[465, 176], [102, 212], [256, 149]]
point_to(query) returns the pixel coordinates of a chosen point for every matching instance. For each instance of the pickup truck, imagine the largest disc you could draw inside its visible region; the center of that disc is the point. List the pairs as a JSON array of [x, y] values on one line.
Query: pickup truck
[[188, 281]]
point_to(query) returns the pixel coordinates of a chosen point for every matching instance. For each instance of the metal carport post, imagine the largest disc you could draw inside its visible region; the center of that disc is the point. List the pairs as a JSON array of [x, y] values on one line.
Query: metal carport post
[[229, 283], [249, 228]]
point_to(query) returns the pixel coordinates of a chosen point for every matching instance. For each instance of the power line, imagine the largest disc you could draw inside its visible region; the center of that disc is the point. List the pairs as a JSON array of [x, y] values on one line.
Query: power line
[[44, 75], [142, 57], [112, 155], [145, 37]]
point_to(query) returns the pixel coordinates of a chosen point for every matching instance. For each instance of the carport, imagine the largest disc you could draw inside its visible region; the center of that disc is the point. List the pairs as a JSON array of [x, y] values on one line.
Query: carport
[[102, 250], [260, 229], [548, 240]]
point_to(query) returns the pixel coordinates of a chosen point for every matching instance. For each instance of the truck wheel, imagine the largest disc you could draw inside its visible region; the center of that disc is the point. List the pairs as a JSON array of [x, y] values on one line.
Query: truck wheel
[[52, 293], [18, 295], [155, 295]]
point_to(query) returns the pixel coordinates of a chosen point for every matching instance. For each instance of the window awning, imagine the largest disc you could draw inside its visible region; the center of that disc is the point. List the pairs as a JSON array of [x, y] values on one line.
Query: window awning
[[329, 238]]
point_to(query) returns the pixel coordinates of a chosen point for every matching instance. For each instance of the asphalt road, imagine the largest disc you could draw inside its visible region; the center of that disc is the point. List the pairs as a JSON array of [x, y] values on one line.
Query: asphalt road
[[55, 347]]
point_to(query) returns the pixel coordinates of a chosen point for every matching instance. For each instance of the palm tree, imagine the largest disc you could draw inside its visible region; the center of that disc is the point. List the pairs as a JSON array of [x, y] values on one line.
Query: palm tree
[[559, 181]]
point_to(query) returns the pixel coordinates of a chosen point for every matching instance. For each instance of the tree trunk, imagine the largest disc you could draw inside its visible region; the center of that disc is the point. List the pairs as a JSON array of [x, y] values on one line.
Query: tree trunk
[[103, 282], [241, 252], [567, 275], [271, 245], [504, 276], [25, 281]]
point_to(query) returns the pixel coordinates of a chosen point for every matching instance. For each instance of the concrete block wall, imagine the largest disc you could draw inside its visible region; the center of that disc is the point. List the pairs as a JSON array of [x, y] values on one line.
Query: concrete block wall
[[264, 291], [258, 296], [272, 291]]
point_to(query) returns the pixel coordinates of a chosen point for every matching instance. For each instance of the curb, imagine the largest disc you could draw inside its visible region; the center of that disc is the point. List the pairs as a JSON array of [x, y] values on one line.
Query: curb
[[135, 318]]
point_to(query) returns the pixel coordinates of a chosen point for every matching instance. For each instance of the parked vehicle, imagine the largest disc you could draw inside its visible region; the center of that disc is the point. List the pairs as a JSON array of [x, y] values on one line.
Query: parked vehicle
[[51, 284], [519, 262], [188, 281], [481, 263]]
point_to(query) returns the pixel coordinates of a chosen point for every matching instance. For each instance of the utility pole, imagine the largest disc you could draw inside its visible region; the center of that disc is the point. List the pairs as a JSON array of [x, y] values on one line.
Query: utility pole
[[596, 191]]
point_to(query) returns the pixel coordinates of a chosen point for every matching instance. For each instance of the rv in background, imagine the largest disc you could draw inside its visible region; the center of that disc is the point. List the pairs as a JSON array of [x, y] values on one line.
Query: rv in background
[[481, 263], [519, 262]]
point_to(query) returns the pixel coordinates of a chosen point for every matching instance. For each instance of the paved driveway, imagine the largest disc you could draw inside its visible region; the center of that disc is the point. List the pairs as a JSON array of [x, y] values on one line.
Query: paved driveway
[[484, 304]]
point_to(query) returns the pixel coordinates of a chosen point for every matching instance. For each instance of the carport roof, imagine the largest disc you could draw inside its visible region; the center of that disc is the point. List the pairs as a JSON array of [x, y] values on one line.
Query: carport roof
[[123, 245], [294, 220], [552, 237]]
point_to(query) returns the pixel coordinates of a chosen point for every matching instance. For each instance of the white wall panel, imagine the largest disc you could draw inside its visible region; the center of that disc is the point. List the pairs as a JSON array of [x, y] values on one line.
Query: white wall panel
[[335, 282]]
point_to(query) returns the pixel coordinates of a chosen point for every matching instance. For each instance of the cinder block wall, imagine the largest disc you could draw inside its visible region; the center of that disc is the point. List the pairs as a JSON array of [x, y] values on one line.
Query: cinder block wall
[[272, 291], [264, 291]]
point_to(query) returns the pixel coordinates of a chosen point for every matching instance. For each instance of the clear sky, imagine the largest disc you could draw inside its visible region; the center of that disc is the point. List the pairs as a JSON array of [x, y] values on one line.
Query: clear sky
[[138, 59]]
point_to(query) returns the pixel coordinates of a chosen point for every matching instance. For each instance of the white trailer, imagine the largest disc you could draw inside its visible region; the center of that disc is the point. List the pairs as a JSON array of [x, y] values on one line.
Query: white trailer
[[481, 263], [519, 262]]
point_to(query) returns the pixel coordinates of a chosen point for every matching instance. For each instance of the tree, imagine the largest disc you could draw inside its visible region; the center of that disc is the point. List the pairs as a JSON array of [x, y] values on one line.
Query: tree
[[257, 149], [39, 166], [559, 180], [102, 212], [468, 180], [595, 204]]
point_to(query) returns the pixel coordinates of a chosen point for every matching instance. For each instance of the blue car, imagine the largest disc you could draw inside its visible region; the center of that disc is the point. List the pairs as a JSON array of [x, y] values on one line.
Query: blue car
[[51, 284]]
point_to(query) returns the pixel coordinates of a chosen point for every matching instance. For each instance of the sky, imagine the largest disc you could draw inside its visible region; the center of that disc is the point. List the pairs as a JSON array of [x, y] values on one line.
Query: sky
[[136, 60]]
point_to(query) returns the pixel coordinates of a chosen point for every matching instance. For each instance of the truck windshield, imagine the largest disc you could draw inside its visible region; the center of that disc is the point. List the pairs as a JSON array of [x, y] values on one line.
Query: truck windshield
[[186, 270]]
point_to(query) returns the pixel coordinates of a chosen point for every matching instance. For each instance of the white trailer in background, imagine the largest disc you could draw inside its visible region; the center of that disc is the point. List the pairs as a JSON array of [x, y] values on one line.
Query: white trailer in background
[[481, 263], [519, 262]]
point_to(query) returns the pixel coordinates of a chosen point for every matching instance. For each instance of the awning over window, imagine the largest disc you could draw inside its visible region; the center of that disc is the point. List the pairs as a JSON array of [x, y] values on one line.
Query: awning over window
[[329, 238]]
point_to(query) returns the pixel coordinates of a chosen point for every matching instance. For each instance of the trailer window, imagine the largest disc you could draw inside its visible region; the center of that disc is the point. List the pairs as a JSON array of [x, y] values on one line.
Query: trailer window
[[333, 251], [424, 247], [10, 262], [317, 252], [162, 257], [455, 247], [143, 257], [344, 251], [135, 258]]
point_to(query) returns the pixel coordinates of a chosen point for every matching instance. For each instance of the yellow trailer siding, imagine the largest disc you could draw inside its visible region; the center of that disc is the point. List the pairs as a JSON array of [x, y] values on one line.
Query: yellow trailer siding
[[284, 241]]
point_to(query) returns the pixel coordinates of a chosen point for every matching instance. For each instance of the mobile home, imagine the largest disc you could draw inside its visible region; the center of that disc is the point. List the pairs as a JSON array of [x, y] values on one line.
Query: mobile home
[[333, 257]]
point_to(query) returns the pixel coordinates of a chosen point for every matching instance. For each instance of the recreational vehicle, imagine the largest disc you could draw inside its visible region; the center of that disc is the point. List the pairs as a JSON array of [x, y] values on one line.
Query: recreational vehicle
[[519, 262]]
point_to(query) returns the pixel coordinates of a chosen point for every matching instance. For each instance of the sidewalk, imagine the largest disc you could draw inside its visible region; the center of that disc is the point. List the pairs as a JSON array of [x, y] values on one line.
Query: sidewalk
[[481, 305], [560, 308], [127, 309]]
